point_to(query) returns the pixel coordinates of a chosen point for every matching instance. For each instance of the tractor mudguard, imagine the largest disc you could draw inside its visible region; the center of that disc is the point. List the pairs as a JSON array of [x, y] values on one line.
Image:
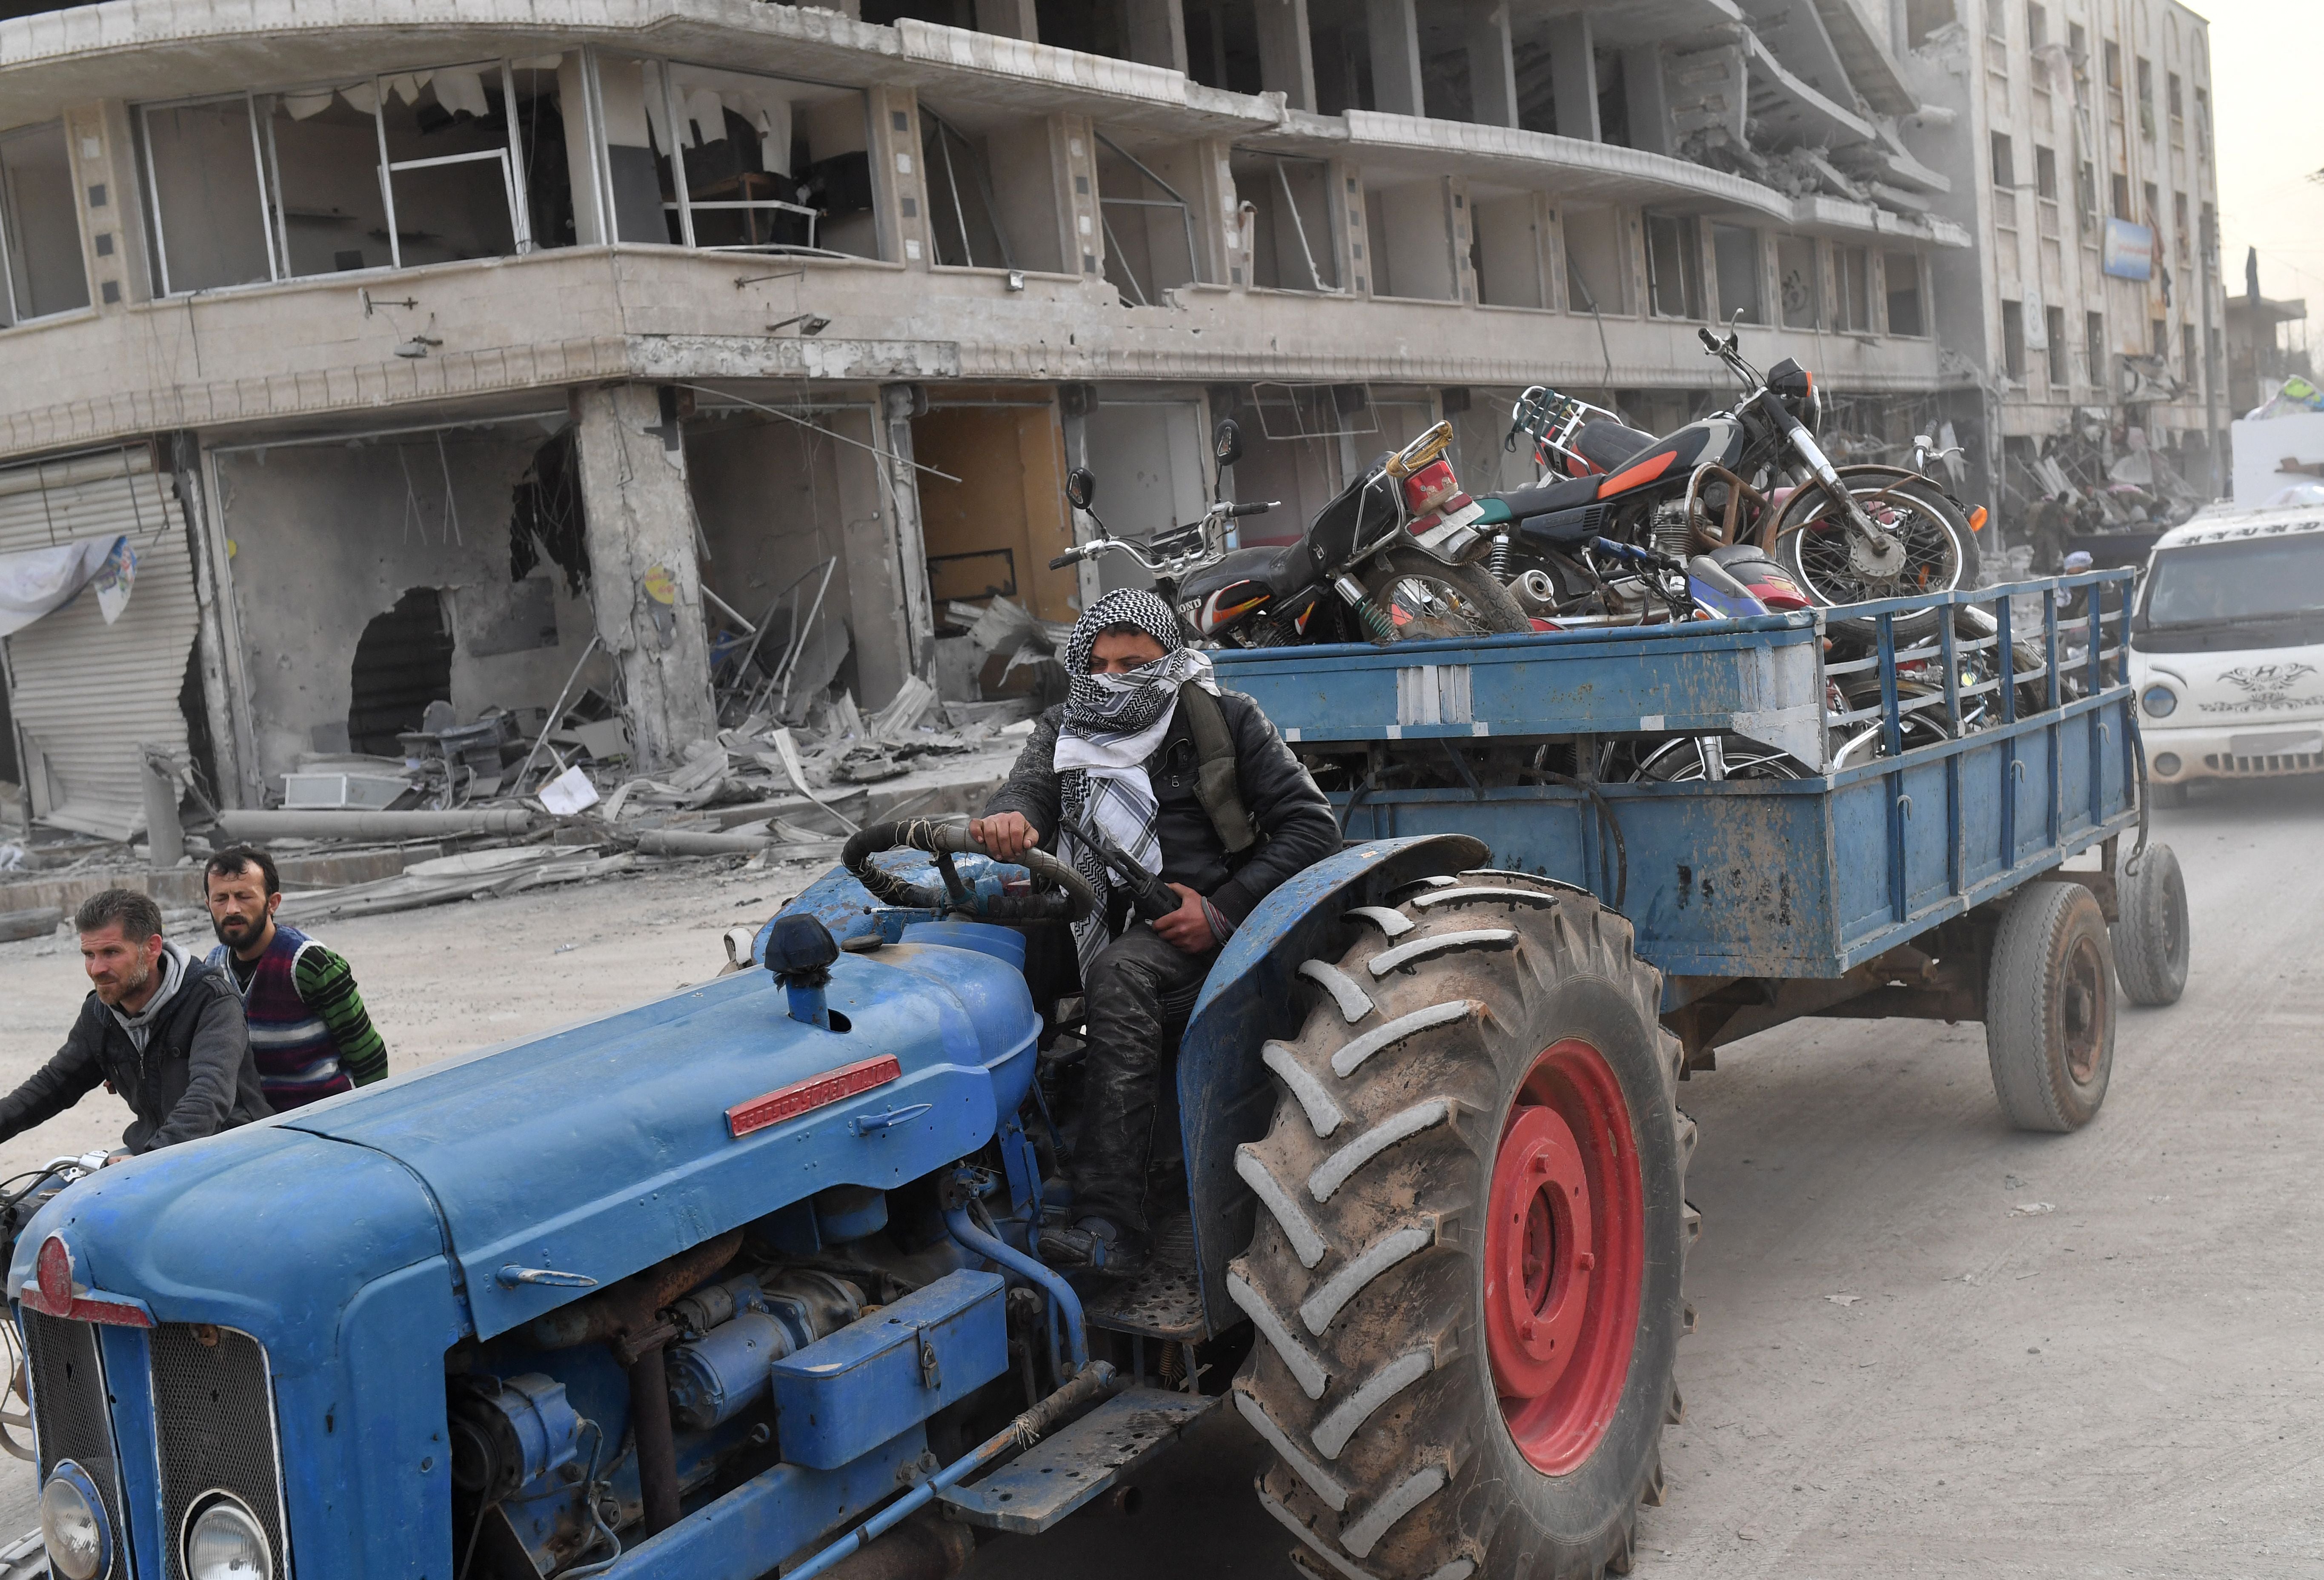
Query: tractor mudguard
[[1252, 994]]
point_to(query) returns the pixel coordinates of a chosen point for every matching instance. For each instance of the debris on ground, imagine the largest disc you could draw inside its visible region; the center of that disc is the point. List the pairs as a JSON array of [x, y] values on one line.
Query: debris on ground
[[515, 800]]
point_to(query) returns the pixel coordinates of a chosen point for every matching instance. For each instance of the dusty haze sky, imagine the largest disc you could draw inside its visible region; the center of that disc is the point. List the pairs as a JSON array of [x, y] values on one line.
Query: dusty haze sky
[[2268, 93]]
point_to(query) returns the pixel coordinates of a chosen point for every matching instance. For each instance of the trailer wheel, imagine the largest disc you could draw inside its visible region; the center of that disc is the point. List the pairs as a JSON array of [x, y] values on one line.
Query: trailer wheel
[[2049, 1014], [2150, 941], [1466, 1276]]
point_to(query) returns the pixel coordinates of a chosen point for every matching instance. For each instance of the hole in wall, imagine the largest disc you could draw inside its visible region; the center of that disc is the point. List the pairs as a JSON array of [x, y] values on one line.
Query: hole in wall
[[402, 663]]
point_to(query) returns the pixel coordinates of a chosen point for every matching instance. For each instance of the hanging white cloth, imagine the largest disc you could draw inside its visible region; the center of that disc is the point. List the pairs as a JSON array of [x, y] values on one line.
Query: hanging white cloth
[[41, 581], [363, 98], [460, 90], [303, 107]]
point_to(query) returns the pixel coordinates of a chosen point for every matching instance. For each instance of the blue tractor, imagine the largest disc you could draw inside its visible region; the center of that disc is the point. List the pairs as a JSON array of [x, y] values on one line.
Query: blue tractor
[[738, 1281]]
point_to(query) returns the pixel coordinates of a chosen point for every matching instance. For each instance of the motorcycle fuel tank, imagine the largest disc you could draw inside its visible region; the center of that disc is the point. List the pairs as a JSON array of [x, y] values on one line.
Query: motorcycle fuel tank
[[1717, 439]]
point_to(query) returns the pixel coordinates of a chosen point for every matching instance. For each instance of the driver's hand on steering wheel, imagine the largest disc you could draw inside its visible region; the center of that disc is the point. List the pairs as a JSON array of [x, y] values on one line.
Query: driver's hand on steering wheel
[[1005, 835]]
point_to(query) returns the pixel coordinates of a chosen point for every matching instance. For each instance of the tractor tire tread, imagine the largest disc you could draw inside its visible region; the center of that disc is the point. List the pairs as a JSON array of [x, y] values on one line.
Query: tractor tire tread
[[1365, 1377]]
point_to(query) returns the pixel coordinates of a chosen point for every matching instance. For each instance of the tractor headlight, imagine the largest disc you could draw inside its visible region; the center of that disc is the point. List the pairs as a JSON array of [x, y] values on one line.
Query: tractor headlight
[[72, 1524], [2161, 701], [225, 1543]]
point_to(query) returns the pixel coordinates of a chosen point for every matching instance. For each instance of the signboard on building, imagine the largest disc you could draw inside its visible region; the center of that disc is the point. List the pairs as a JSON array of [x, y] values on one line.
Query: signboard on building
[[2129, 251]]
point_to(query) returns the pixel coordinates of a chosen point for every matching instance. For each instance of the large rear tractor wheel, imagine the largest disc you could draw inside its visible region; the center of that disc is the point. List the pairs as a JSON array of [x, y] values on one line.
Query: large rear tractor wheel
[[2149, 937], [1466, 1278], [2048, 1008]]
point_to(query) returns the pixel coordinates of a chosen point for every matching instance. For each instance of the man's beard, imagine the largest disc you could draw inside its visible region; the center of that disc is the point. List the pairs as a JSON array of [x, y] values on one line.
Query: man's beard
[[244, 930], [125, 984]]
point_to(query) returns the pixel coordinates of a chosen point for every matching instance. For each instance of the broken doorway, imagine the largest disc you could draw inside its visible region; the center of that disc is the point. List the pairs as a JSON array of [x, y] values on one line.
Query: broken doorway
[[993, 533]]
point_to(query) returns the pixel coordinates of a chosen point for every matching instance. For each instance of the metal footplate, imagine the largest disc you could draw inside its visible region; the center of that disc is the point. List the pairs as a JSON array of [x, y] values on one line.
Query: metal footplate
[[1055, 1477]]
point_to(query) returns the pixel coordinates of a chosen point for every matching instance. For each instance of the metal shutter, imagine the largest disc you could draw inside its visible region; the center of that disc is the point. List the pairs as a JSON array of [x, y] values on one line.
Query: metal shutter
[[88, 697]]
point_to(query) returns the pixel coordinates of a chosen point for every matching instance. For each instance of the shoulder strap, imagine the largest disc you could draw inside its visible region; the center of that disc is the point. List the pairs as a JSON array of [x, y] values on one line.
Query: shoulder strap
[[1214, 773]]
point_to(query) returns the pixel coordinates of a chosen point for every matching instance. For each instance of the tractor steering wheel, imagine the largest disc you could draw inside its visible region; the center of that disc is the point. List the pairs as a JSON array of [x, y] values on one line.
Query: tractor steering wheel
[[1059, 892]]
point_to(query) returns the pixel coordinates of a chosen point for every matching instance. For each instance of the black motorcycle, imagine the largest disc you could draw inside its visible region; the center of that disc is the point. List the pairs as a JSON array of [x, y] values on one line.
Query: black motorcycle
[[1752, 475], [1393, 557]]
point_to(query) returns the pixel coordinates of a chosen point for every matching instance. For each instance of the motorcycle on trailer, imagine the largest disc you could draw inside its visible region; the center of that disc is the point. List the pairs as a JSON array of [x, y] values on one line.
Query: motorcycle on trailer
[[1753, 475], [1392, 557]]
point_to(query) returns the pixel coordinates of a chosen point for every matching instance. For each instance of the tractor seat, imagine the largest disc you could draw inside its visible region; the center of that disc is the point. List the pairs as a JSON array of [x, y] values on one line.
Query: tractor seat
[[1607, 445]]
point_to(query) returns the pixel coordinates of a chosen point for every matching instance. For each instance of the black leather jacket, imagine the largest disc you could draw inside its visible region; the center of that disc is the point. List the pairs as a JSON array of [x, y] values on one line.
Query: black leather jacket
[[195, 1078], [1294, 822]]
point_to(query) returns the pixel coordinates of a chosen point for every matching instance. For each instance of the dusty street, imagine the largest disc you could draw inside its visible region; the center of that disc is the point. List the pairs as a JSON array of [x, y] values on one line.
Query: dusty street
[[1928, 1344]]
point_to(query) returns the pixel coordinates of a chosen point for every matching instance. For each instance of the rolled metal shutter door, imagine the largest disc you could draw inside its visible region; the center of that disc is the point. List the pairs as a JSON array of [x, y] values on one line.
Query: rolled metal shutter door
[[88, 698]]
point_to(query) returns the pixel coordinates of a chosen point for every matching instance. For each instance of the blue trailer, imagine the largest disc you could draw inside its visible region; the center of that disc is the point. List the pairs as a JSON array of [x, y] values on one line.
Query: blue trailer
[[738, 1282]]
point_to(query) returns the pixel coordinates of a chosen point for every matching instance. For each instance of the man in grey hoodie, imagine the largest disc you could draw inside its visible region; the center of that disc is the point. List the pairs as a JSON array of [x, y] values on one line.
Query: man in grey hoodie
[[160, 1027]]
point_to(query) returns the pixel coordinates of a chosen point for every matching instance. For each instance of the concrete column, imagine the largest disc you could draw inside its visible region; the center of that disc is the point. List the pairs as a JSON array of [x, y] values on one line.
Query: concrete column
[[1492, 63], [103, 156], [1286, 54], [1647, 100], [220, 690], [1157, 32], [897, 402], [1011, 19], [1392, 27], [1573, 77], [645, 583], [897, 179]]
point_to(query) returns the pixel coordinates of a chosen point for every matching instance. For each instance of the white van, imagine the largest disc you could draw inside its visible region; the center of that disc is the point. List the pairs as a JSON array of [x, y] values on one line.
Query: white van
[[2227, 649]]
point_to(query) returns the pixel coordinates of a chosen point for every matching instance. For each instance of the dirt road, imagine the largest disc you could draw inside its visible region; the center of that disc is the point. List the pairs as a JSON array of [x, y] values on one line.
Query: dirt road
[[1929, 1344]]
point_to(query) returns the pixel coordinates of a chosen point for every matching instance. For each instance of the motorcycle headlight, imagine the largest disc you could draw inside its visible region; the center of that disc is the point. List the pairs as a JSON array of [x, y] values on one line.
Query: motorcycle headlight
[[72, 1524], [225, 1543], [2161, 701]]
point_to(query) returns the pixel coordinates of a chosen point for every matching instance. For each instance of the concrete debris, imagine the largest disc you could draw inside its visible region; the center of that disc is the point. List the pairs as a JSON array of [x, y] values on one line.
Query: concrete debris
[[470, 875], [255, 827], [36, 923]]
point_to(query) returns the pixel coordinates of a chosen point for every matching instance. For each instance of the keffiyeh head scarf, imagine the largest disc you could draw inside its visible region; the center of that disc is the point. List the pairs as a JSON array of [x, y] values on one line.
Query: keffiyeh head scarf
[[1112, 723]]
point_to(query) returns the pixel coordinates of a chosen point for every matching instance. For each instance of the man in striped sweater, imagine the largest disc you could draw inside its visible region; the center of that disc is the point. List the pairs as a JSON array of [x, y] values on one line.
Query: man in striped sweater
[[309, 1030]]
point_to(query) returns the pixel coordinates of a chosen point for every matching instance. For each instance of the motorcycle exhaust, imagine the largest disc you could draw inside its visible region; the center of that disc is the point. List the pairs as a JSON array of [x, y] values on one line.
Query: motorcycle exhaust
[[1536, 593]]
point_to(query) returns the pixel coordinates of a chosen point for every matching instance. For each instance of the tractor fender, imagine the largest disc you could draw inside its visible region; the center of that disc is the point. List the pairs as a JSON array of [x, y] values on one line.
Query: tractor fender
[[1252, 994]]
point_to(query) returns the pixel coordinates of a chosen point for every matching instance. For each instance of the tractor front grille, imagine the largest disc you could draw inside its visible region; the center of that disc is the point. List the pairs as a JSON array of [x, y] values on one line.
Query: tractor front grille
[[214, 1420], [70, 1416]]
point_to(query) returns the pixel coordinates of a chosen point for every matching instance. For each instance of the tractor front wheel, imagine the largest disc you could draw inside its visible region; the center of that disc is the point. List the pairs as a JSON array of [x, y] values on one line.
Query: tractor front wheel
[[1466, 1277]]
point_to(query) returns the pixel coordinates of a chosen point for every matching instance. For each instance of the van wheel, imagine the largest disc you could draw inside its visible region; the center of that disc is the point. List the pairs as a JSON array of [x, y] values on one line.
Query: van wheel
[[2149, 937], [1466, 1276], [2048, 1008]]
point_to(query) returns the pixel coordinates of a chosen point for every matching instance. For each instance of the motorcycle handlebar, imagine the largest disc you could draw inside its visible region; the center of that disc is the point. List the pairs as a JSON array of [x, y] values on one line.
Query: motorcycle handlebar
[[1068, 558], [1256, 508], [1711, 342]]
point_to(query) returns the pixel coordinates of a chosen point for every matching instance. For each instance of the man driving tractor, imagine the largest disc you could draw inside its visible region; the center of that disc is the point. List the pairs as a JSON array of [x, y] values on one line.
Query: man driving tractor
[[1194, 784]]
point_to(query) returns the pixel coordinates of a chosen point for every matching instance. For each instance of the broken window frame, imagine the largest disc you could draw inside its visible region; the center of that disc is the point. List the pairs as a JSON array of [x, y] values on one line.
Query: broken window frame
[[1687, 247], [660, 73], [275, 222], [1185, 213], [12, 238], [945, 130], [1298, 221]]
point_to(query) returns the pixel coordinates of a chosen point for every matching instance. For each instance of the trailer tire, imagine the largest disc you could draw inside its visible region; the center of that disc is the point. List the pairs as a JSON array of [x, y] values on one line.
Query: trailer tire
[[2149, 937], [1466, 1275], [2050, 1010]]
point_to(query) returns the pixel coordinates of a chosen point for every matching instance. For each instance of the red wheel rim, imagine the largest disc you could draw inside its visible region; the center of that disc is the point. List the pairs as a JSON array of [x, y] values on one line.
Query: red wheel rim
[[1564, 1256]]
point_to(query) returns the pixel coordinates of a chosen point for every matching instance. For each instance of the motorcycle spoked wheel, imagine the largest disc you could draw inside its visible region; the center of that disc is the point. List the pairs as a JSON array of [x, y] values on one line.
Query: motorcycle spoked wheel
[[1683, 761], [1940, 554], [1425, 597], [1871, 743]]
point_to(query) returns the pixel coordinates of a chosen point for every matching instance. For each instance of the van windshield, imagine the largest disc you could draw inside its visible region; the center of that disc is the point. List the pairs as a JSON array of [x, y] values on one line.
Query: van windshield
[[2260, 579]]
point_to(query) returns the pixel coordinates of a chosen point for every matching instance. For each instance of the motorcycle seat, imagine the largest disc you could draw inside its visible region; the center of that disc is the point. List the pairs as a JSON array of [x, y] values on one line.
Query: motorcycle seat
[[1607, 445], [1555, 494], [1279, 568]]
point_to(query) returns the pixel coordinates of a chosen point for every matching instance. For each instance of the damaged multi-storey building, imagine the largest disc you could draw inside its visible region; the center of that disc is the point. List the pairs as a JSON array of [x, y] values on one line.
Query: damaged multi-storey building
[[467, 354]]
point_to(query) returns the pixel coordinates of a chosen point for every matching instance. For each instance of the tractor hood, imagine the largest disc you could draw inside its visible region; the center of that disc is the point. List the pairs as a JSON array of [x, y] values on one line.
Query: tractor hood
[[595, 1150]]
